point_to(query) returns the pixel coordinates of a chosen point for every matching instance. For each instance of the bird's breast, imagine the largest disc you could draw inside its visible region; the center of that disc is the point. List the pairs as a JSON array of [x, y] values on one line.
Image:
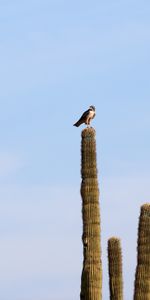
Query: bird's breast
[[92, 114]]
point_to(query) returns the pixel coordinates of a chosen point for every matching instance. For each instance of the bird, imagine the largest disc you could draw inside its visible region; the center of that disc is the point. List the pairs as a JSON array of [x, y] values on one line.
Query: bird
[[87, 116]]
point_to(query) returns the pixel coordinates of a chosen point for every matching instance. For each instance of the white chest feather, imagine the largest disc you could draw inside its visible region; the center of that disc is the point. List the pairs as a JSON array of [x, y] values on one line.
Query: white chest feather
[[91, 114]]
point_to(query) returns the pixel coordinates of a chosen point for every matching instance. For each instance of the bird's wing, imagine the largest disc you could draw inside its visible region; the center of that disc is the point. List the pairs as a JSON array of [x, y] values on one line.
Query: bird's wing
[[82, 119], [85, 114]]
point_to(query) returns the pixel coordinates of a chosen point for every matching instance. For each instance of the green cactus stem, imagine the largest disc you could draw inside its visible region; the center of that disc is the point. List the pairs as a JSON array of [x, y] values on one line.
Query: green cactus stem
[[115, 269], [91, 280], [142, 276]]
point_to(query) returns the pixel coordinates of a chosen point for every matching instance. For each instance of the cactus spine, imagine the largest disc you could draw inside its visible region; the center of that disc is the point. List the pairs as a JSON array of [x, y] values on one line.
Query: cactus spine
[[115, 269], [142, 278], [91, 280]]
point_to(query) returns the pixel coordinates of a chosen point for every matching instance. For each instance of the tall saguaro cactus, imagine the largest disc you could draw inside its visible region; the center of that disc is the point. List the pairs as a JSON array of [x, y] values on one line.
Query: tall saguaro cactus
[[115, 269], [91, 281], [142, 279]]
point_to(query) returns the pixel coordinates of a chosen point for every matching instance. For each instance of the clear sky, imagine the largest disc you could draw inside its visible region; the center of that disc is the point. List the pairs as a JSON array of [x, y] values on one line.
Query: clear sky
[[57, 58]]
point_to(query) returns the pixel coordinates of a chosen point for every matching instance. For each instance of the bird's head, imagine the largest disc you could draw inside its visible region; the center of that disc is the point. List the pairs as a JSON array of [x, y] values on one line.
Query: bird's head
[[92, 107]]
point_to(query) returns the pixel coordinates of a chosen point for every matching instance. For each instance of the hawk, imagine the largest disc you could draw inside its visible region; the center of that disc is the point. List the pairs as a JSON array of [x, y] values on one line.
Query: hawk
[[87, 116]]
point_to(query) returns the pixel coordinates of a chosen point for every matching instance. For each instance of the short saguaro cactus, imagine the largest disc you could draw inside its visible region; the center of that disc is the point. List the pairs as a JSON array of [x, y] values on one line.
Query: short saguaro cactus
[[115, 269]]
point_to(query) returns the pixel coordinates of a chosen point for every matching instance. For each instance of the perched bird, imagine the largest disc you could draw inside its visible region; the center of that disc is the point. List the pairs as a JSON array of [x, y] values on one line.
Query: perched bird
[[87, 116]]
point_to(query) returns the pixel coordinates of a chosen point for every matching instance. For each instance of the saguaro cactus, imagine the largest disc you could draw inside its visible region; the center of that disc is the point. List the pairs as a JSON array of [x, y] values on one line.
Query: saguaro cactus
[[142, 278], [91, 281], [115, 269]]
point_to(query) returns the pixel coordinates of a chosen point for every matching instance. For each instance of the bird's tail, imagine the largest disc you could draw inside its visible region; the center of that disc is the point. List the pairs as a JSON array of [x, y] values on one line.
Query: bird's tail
[[78, 123]]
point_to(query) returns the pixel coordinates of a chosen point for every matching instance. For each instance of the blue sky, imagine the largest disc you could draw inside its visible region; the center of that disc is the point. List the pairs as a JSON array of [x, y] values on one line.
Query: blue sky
[[57, 58]]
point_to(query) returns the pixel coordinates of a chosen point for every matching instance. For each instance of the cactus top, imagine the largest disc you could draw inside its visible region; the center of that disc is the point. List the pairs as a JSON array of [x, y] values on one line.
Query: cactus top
[[88, 132], [145, 209], [114, 240]]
